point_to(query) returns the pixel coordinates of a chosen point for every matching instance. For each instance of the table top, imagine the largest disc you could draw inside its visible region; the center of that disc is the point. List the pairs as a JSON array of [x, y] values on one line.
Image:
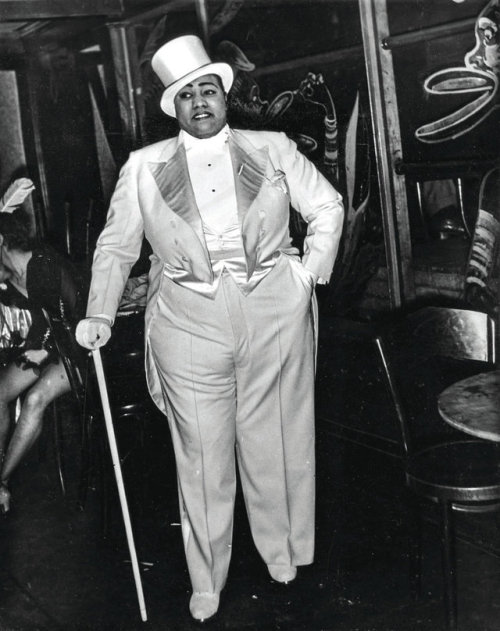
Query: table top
[[473, 405]]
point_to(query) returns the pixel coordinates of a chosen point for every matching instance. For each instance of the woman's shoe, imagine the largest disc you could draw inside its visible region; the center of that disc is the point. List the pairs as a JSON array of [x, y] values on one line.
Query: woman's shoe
[[4, 498]]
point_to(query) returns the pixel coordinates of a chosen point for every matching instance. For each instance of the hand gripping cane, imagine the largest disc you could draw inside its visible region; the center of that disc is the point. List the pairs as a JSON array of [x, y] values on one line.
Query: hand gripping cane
[[103, 391]]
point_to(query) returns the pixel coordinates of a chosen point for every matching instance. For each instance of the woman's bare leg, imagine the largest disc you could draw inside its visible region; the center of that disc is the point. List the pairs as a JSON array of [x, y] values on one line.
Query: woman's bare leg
[[13, 382], [52, 383]]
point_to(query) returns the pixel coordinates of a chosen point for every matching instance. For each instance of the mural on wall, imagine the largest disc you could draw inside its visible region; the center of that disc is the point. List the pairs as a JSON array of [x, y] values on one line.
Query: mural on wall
[[286, 110], [479, 77]]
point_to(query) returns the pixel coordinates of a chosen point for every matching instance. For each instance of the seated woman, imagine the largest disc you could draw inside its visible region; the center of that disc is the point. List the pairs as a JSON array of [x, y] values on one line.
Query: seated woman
[[15, 319], [49, 284]]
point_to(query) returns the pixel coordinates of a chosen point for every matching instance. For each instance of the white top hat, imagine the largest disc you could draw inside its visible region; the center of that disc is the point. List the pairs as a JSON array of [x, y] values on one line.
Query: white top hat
[[182, 60]]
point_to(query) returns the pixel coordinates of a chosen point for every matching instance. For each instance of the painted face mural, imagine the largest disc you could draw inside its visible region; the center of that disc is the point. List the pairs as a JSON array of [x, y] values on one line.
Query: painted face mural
[[478, 76]]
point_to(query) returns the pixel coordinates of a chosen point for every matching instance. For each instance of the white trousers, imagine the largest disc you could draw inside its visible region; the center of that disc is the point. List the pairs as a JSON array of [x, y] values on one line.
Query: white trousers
[[238, 374]]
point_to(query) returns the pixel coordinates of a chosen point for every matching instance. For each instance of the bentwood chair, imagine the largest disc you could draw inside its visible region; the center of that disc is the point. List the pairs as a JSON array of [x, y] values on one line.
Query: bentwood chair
[[421, 354], [75, 365], [131, 410], [123, 360]]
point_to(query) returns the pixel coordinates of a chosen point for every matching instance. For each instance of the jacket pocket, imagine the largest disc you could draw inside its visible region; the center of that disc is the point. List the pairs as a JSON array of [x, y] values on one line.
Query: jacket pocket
[[306, 278]]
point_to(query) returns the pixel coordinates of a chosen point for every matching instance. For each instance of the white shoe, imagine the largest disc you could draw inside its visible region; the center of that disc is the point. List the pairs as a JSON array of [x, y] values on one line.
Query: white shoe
[[4, 498], [282, 573], [203, 605]]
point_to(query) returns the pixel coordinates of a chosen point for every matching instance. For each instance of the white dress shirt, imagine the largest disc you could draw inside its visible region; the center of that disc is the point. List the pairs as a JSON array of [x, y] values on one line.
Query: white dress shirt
[[212, 178]]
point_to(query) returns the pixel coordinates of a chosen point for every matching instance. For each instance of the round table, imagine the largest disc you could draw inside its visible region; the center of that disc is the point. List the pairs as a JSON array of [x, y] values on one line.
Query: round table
[[473, 405]]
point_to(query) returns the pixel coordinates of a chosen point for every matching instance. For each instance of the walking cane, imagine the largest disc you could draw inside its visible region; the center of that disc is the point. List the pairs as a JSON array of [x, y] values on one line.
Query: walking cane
[[103, 391]]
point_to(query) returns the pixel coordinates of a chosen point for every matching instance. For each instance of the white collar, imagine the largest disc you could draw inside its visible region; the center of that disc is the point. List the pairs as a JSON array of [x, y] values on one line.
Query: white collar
[[205, 144]]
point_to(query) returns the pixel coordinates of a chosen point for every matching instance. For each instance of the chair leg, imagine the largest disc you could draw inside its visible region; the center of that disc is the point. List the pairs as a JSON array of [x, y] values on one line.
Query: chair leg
[[104, 474], [59, 448], [449, 565], [415, 547], [86, 449]]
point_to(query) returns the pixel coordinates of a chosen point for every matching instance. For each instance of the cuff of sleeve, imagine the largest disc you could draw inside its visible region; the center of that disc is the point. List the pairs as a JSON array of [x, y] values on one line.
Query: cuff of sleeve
[[314, 276], [104, 317]]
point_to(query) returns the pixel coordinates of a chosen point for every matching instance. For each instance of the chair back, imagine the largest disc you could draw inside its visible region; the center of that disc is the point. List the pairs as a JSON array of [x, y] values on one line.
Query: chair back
[[73, 357], [124, 354], [411, 351]]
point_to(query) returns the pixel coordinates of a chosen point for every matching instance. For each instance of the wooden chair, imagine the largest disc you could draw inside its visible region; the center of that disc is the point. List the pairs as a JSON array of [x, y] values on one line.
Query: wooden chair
[[421, 354], [76, 371], [131, 409], [129, 399]]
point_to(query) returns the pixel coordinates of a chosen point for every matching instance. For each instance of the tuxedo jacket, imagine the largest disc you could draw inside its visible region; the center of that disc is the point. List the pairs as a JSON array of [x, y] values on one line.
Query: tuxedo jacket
[[154, 198]]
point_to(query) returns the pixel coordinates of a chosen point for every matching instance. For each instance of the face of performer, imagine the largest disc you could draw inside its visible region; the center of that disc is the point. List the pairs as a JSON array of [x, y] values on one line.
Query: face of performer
[[200, 106]]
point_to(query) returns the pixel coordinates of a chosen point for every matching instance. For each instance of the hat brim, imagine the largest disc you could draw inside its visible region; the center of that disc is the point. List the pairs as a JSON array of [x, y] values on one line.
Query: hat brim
[[223, 70]]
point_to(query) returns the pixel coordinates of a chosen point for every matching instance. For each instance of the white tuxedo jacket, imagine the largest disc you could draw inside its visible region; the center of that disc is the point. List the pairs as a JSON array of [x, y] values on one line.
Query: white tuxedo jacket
[[154, 198]]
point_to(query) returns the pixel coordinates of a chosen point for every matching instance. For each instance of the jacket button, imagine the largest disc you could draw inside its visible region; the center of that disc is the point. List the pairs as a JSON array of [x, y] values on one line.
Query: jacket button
[[172, 223]]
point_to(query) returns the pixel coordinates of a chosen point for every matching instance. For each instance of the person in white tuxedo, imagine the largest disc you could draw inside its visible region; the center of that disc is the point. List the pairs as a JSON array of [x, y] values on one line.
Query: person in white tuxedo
[[230, 323]]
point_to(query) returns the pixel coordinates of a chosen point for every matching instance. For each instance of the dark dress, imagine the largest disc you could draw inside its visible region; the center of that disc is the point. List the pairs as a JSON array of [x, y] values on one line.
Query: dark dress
[[56, 301]]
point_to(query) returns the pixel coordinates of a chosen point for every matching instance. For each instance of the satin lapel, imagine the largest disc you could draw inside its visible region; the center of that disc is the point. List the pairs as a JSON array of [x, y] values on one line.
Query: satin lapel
[[249, 174], [172, 179]]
